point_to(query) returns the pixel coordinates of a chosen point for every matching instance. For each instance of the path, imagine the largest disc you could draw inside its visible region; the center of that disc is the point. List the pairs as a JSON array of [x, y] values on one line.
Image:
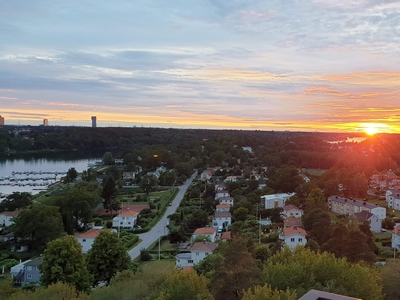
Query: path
[[160, 228]]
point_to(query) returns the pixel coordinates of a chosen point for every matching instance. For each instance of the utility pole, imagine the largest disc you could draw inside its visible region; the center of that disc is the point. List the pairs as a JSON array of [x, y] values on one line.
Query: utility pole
[[259, 230], [159, 243]]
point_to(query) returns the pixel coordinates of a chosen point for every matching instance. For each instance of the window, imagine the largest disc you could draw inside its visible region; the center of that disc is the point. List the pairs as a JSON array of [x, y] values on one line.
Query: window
[[84, 240], [292, 239], [206, 253], [29, 268], [190, 261], [197, 253], [129, 223], [300, 239], [29, 276], [121, 223], [37, 269]]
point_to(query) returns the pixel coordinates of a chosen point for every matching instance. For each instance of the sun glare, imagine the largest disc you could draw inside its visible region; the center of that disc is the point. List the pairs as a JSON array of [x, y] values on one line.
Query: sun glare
[[374, 128]]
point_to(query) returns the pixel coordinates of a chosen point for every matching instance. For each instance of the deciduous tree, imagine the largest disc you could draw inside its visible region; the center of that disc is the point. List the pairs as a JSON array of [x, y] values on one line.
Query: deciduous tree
[[63, 261], [39, 225], [16, 200], [107, 257], [267, 293], [109, 195], [148, 183]]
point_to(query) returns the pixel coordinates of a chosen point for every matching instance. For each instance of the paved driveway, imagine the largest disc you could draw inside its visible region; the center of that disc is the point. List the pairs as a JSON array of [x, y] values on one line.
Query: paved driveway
[[160, 228]]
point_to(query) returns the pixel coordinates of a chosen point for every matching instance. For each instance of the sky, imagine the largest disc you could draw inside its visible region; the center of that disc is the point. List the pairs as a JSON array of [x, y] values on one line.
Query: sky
[[300, 65]]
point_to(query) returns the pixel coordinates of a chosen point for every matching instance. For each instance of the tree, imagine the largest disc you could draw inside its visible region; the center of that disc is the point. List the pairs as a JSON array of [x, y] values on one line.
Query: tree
[[58, 290], [39, 224], [109, 195], [168, 178], [388, 223], [317, 223], [183, 168], [237, 272], [148, 183], [186, 285], [63, 261], [390, 275], [303, 269], [240, 214], [108, 158], [16, 200], [316, 199], [262, 253], [107, 257], [198, 219], [267, 293], [209, 264], [71, 175]]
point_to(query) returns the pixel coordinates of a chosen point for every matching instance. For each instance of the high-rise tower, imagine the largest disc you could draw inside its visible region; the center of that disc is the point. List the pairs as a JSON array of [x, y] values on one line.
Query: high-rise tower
[[1, 121], [45, 122], [94, 121]]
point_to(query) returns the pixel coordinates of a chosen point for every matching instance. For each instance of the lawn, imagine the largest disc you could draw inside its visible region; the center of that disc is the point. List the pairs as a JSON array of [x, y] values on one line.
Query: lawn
[[155, 268]]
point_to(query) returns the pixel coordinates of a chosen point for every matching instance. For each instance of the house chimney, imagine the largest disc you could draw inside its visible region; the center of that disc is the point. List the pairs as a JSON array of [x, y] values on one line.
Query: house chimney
[[204, 241]]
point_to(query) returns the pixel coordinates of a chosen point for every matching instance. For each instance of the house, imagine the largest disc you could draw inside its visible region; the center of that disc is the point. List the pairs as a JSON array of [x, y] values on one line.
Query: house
[[220, 194], [346, 206], [275, 200], [8, 237], [231, 178], [305, 177], [128, 175], [7, 216], [205, 231], [27, 271], [393, 199], [292, 222], [320, 295], [375, 224], [293, 237], [385, 181], [255, 176], [126, 219], [206, 175], [223, 219], [248, 149], [226, 200], [396, 237], [87, 238], [220, 187], [226, 236], [225, 207], [291, 210], [197, 253]]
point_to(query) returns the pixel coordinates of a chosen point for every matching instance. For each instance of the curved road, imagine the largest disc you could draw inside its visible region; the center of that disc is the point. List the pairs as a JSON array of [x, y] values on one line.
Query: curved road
[[160, 228]]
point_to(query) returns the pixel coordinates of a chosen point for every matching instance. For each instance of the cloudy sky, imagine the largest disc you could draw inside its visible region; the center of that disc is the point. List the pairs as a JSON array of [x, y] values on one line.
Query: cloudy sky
[[314, 65]]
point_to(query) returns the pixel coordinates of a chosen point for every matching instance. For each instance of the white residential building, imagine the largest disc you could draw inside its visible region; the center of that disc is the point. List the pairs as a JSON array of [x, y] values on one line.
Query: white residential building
[[375, 224], [396, 238], [197, 253], [126, 219], [294, 236], [393, 199], [231, 179], [220, 187], [291, 210], [206, 175], [275, 200], [223, 219], [226, 200], [346, 206], [7, 216], [209, 232], [87, 238], [220, 194]]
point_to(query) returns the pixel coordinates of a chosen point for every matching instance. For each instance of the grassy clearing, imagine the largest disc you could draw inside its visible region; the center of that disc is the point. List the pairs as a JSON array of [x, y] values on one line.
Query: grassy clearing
[[157, 267]]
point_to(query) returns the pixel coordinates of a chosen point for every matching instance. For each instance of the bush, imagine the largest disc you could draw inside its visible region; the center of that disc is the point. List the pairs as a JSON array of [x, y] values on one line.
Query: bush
[[97, 221], [109, 224], [145, 255]]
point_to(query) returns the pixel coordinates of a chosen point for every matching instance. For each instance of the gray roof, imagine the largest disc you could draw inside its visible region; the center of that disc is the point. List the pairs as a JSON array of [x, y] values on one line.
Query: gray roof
[[35, 262], [352, 202], [364, 215], [319, 295]]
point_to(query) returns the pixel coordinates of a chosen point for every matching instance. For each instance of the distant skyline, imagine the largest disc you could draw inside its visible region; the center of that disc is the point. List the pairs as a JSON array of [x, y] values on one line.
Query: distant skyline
[[313, 65]]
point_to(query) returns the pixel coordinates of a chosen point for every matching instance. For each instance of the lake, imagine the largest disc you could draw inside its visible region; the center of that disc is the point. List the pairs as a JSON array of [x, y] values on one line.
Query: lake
[[34, 172]]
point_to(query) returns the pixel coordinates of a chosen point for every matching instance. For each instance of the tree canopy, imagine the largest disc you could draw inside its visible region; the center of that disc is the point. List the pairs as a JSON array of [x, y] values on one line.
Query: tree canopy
[[64, 262]]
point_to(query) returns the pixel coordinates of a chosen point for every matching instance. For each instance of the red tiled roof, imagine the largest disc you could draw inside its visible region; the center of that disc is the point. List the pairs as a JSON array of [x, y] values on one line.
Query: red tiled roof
[[226, 235], [292, 221], [187, 268], [91, 233], [223, 191], [13, 213], [205, 230], [396, 230], [204, 247], [288, 231], [128, 213], [290, 207], [223, 205]]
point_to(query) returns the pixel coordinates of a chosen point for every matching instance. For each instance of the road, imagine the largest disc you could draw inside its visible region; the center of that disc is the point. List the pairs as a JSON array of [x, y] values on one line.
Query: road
[[160, 228]]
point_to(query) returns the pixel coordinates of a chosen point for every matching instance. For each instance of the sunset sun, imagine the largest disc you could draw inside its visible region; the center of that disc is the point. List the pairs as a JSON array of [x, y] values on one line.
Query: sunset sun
[[371, 130], [374, 128]]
